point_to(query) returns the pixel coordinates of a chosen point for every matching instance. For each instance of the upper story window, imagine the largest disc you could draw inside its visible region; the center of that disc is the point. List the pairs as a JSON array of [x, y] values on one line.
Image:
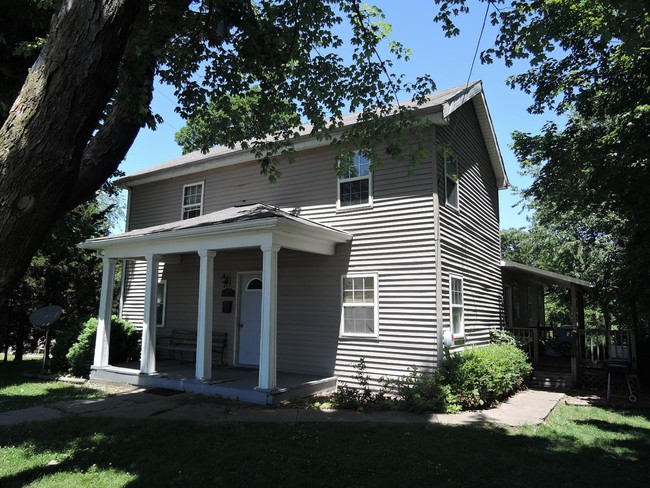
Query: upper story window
[[192, 200], [355, 186], [456, 306], [359, 313], [452, 176]]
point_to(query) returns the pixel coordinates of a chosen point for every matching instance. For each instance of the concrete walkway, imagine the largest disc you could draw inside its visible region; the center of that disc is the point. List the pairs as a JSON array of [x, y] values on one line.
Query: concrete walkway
[[526, 407]]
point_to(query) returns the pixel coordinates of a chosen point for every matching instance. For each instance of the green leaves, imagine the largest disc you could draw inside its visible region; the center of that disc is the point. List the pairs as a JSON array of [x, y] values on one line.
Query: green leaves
[[276, 74]]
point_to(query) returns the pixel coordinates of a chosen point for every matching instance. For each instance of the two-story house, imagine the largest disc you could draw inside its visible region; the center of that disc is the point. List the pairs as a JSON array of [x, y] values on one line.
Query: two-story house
[[313, 272]]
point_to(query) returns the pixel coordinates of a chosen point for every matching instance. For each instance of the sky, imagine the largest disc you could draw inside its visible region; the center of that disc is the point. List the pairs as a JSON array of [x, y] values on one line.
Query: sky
[[447, 60]]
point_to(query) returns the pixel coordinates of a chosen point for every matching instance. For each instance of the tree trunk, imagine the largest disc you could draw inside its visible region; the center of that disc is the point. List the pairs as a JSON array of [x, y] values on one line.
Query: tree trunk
[[50, 123]]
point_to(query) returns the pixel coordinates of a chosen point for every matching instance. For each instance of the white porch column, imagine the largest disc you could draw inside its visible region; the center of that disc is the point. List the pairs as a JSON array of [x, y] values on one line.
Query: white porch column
[[268, 336], [204, 322], [148, 355], [105, 307]]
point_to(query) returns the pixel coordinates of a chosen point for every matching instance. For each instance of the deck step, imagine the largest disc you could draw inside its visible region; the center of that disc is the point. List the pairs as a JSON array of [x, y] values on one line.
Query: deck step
[[550, 380]]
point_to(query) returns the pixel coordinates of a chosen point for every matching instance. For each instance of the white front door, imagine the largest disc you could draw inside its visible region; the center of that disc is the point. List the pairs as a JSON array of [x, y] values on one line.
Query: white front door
[[250, 319]]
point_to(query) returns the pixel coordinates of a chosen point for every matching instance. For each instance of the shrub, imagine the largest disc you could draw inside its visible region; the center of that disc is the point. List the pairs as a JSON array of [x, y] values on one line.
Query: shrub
[[67, 334], [362, 398], [423, 392], [124, 345], [502, 336], [479, 377]]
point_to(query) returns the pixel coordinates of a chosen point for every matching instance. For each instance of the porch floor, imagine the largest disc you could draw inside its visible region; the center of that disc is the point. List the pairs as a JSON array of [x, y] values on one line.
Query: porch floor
[[233, 382]]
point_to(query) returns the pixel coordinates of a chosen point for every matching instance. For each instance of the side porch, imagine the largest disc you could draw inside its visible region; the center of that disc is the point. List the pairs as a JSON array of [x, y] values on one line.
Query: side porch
[[574, 354]]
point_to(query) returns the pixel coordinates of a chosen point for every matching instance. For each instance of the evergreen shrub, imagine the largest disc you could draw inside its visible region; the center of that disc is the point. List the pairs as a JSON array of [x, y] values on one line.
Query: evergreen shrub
[[124, 345]]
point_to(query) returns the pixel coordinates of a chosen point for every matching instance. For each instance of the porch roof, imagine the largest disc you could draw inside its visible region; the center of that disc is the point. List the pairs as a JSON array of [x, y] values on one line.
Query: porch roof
[[242, 226], [545, 277]]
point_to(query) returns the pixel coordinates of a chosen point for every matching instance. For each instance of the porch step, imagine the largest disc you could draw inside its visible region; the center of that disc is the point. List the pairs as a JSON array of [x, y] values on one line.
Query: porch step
[[551, 380]]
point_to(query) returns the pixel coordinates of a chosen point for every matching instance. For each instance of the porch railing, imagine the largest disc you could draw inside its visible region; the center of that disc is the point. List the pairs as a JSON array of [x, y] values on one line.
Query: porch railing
[[596, 347], [590, 347], [528, 339]]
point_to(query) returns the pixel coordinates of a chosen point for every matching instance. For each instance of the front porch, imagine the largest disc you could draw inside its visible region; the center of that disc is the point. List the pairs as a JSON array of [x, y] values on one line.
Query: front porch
[[234, 383], [256, 233]]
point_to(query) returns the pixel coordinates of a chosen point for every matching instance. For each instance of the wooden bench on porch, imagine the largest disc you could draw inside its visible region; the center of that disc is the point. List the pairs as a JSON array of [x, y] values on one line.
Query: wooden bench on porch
[[183, 342]]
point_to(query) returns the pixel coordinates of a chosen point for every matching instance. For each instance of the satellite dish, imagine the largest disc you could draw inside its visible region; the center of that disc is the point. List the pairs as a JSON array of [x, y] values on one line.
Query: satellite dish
[[46, 316]]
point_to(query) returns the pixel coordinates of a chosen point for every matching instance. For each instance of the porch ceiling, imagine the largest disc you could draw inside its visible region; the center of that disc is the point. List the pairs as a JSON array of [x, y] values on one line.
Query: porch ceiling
[[544, 277], [245, 226]]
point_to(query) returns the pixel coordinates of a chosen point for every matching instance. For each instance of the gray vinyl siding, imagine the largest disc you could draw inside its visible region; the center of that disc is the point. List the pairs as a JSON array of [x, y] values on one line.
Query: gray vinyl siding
[[394, 239], [470, 234]]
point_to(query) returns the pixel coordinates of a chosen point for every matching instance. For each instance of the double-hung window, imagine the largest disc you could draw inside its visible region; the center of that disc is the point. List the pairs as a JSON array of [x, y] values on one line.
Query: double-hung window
[[452, 177], [359, 305], [456, 306], [192, 200], [355, 186]]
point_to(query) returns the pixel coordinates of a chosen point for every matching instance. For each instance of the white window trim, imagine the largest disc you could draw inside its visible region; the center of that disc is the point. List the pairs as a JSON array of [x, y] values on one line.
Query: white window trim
[[447, 203], [369, 177], [342, 332], [198, 183], [461, 334], [164, 304]]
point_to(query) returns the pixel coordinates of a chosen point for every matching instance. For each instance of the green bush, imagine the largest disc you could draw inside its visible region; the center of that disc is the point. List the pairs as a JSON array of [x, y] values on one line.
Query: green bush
[[124, 345], [423, 392], [481, 376], [67, 334], [362, 398]]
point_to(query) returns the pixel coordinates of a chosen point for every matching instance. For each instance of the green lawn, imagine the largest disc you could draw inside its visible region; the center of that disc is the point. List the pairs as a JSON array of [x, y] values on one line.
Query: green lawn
[[578, 446], [18, 392]]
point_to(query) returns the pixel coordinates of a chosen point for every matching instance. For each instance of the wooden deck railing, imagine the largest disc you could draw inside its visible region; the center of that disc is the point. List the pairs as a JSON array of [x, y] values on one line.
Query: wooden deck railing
[[596, 347], [590, 347]]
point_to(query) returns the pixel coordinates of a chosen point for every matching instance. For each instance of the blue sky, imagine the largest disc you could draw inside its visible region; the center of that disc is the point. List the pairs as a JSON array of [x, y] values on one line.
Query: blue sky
[[448, 61]]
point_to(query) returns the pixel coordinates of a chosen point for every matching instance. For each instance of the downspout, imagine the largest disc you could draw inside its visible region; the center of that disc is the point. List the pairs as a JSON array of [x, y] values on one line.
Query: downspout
[[437, 251]]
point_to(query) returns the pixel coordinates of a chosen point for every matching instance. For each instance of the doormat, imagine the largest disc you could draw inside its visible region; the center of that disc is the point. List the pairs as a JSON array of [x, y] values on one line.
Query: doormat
[[166, 392]]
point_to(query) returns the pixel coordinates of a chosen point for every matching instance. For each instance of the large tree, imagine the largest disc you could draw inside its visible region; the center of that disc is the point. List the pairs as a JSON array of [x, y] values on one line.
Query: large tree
[[589, 63], [89, 91], [60, 273]]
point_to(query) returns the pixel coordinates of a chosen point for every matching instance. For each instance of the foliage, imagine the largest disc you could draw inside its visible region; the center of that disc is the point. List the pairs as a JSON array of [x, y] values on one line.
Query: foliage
[[124, 345], [502, 336], [362, 397], [258, 74], [424, 392], [590, 63], [23, 27], [66, 337], [472, 378], [62, 274], [482, 376]]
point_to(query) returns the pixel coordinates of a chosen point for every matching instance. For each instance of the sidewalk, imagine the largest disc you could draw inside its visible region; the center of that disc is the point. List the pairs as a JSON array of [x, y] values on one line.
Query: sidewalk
[[528, 407]]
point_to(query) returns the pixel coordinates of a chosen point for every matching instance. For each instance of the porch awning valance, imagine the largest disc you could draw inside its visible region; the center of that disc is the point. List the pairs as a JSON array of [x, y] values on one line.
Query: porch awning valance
[[242, 226]]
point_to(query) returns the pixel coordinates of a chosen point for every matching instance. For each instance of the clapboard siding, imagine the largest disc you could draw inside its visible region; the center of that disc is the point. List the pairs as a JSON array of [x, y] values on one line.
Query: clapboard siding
[[394, 239], [470, 235]]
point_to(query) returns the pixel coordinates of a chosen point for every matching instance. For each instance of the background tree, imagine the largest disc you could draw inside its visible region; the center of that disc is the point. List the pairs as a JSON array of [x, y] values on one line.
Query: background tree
[[589, 62], [89, 92], [61, 274]]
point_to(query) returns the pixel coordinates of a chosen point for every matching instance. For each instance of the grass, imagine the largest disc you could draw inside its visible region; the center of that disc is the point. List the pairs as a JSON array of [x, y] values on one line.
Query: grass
[[18, 392], [577, 446]]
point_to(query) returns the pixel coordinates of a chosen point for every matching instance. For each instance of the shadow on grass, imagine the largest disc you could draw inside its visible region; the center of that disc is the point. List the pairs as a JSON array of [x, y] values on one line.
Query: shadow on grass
[[185, 453], [18, 391]]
